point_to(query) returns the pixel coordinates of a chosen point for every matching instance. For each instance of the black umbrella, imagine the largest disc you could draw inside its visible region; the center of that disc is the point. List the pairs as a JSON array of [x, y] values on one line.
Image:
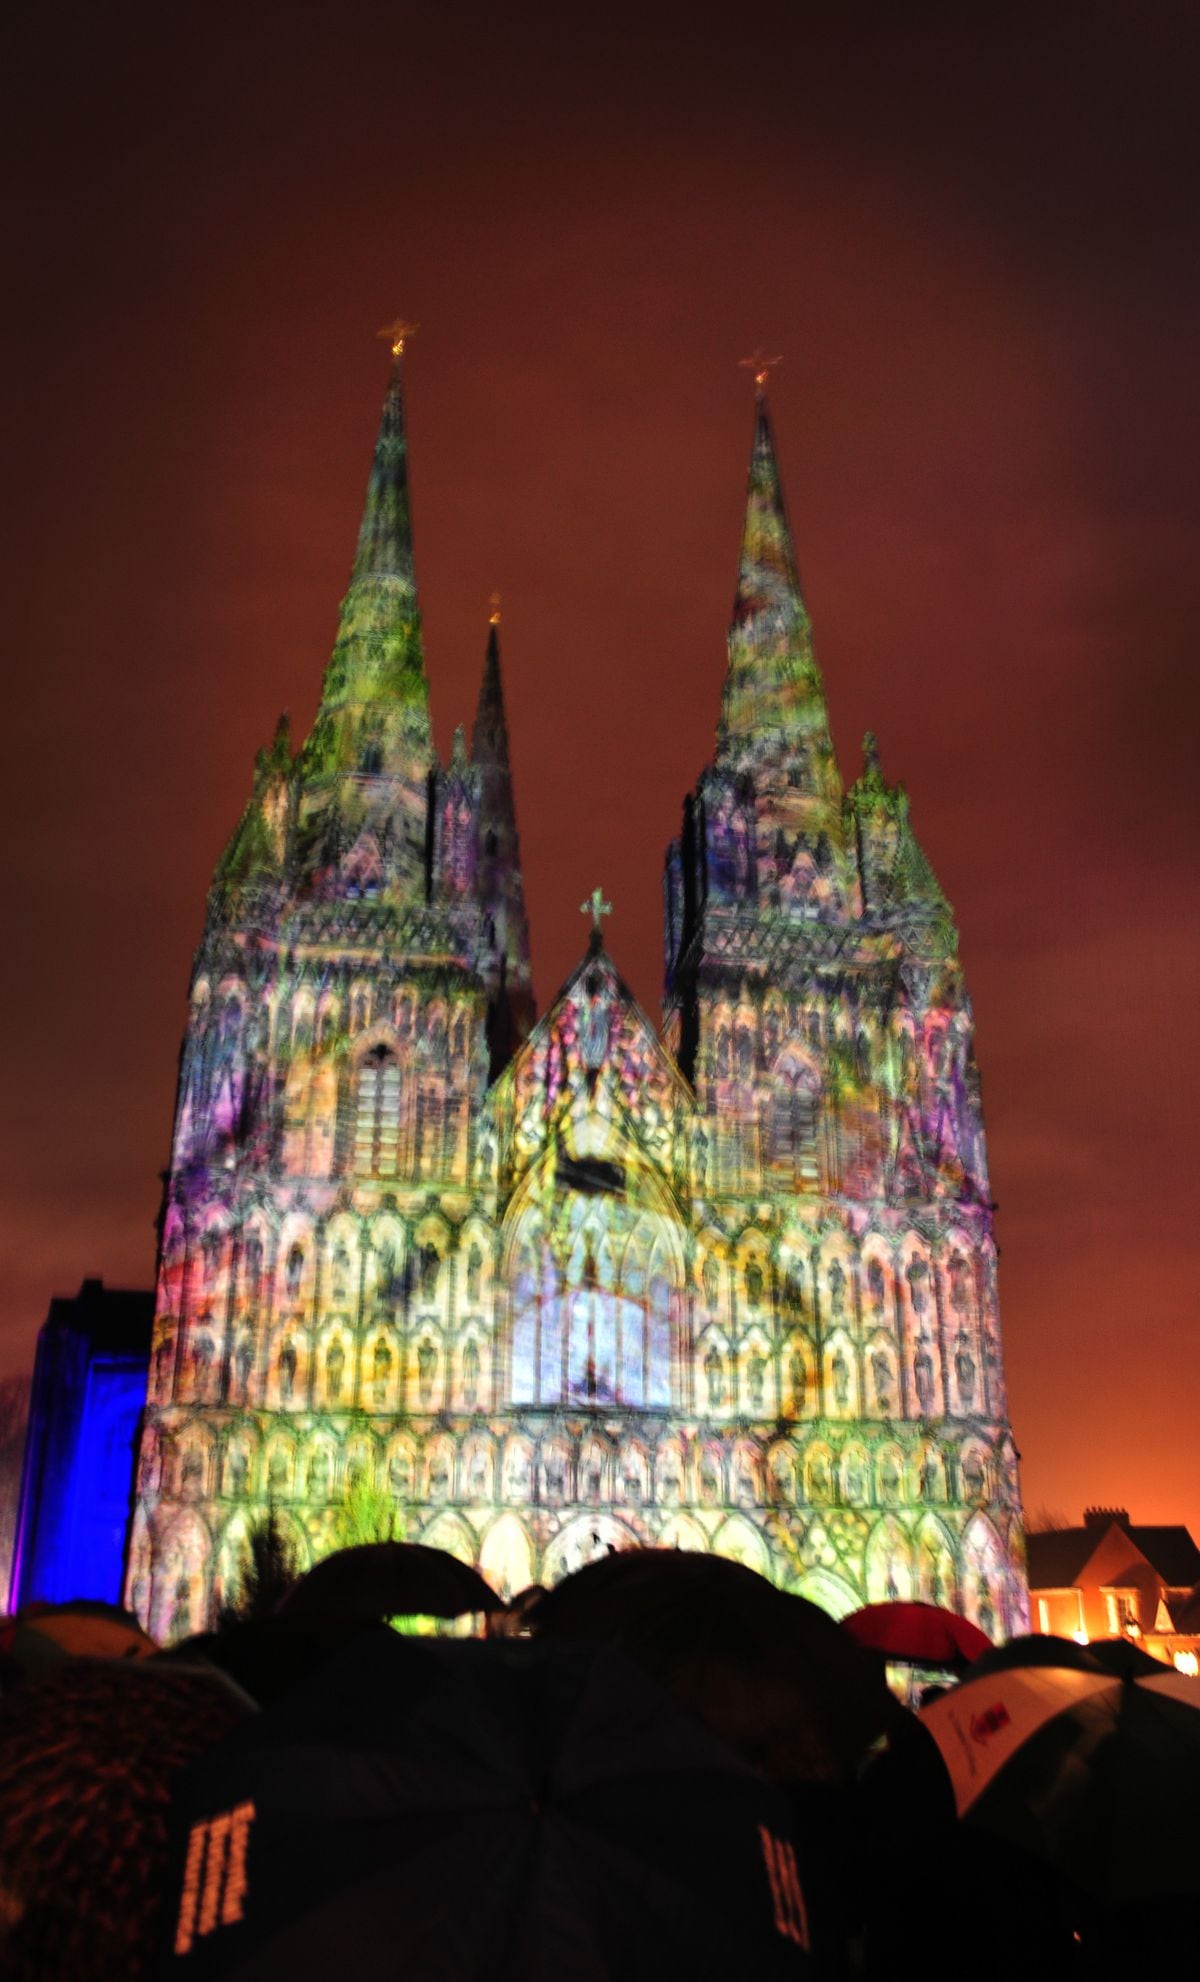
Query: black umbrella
[[389, 1579], [1113, 1655], [452, 1811], [771, 1673]]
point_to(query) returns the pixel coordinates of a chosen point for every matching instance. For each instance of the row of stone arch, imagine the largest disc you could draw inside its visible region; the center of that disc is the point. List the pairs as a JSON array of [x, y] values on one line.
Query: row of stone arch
[[182, 1569], [316, 1465]]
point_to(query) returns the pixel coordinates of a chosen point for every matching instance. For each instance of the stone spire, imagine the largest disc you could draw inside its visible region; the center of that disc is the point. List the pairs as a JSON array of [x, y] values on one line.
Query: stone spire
[[773, 694], [501, 885], [374, 714]]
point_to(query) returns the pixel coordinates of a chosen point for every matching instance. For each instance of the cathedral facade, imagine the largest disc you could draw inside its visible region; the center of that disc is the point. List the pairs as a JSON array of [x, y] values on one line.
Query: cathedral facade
[[548, 1287]]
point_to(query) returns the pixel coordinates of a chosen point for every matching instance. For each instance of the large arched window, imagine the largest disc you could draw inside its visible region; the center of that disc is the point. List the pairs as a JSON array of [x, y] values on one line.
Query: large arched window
[[377, 1115], [793, 1122], [593, 1330]]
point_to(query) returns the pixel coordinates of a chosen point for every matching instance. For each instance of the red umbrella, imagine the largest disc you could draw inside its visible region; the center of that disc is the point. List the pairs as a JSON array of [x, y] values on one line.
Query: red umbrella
[[917, 1634]]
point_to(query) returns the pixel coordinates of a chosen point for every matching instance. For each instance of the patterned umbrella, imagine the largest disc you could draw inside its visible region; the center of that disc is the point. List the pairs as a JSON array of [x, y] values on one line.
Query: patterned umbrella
[[917, 1634], [1091, 1772]]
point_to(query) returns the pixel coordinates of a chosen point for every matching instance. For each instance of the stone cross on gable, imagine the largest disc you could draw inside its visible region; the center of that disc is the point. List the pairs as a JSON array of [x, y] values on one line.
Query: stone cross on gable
[[596, 907]]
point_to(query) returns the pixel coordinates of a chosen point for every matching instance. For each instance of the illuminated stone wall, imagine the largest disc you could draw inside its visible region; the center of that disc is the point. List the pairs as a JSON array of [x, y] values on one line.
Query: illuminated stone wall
[[560, 1287]]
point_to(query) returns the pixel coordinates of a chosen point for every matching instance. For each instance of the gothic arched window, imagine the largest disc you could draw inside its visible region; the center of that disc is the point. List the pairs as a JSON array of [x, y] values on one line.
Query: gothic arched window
[[793, 1122], [596, 1330], [377, 1115]]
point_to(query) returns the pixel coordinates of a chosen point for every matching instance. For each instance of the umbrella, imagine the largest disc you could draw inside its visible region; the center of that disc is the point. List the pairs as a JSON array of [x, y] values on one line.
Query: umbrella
[[88, 1749], [459, 1810], [1113, 1655], [388, 1579], [771, 1673], [1075, 1767], [41, 1634], [917, 1634]]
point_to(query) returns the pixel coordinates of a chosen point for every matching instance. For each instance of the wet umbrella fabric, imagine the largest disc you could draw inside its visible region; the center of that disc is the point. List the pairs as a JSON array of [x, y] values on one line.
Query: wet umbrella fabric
[[770, 1673], [1074, 1766], [389, 1579], [41, 1634], [1115, 1656], [918, 1634], [462, 1810]]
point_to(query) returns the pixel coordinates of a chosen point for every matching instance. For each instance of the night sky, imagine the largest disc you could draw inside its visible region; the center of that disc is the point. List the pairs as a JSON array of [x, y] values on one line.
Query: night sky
[[974, 239]]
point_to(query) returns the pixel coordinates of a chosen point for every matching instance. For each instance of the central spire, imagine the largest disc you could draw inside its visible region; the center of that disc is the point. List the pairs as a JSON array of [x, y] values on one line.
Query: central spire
[[773, 688]]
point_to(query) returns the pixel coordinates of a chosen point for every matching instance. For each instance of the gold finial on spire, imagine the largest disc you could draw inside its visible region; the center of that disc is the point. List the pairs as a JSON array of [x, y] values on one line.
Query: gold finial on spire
[[759, 365], [494, 615], [398, 333], [596, 907]]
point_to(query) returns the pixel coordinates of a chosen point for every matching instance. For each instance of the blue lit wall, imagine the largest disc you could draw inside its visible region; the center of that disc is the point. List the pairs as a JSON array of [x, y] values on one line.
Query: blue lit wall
[[89, 1387]]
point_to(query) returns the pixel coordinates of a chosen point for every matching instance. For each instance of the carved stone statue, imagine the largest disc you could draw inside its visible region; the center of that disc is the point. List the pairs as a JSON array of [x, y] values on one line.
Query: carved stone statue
[[798, 1380], [470, 1374], [841, 1380], [756, 1373], [923, 1373], [964, 1370], [381, 1370], [881, 1376], [917, 1273], [335, 1365], [427, 1362], [714, 1377], [960, 1297], [876, 1285], [837, 1288]]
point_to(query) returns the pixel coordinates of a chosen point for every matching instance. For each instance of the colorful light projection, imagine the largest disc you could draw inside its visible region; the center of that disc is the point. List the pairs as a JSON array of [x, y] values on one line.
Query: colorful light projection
[[559, 1289]]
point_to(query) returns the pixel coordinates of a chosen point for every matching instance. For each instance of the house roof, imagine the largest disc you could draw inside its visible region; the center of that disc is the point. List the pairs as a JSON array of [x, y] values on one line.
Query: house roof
[[1058, 1558], [1173, 1553]]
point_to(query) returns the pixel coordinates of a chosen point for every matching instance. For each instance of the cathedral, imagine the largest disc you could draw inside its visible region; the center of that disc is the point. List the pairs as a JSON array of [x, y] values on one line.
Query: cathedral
[[550, 1286]]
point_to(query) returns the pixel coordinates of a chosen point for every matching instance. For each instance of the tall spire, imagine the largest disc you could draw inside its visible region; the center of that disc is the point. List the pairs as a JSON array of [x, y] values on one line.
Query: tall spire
[[500, 881], [773, 688], [489, 738], [374, 714], [385, 534]]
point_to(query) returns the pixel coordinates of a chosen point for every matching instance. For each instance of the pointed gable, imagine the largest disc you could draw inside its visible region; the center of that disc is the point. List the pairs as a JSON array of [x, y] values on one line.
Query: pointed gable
[[593, 1079]]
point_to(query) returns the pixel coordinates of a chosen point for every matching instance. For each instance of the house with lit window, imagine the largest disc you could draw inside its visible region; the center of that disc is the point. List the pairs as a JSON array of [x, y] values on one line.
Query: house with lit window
[[1111, 1579]]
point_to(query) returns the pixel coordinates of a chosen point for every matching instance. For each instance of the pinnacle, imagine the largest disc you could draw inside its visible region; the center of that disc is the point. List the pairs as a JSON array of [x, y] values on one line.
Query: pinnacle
[[385, 535], [489, 738]]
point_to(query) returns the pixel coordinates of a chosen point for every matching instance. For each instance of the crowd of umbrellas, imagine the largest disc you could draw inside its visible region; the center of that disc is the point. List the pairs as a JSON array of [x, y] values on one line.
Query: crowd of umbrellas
[[664, 1766]]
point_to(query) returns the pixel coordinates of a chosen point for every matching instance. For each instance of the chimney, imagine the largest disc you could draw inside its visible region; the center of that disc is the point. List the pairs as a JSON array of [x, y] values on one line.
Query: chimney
[[1103, 1517]]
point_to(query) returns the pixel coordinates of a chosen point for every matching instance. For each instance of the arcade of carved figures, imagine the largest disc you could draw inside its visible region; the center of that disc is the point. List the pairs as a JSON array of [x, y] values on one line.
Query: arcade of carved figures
[[553, 1286]]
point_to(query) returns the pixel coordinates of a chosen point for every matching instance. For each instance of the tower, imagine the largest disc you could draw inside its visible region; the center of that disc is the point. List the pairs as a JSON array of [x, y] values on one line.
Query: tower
[[550, 1287]]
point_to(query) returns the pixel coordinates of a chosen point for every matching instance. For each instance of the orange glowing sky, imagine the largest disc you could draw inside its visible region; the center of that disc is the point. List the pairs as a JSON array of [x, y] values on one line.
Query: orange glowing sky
[[976, 245]]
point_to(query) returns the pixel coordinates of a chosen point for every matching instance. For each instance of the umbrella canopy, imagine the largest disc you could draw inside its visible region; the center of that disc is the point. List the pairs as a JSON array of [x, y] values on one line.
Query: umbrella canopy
[[771, 1673], [1113, 1655], [1075, 1767], [42, 1633], [493, 1810], [918, 1634], [389, 1579], [88, 1750]]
